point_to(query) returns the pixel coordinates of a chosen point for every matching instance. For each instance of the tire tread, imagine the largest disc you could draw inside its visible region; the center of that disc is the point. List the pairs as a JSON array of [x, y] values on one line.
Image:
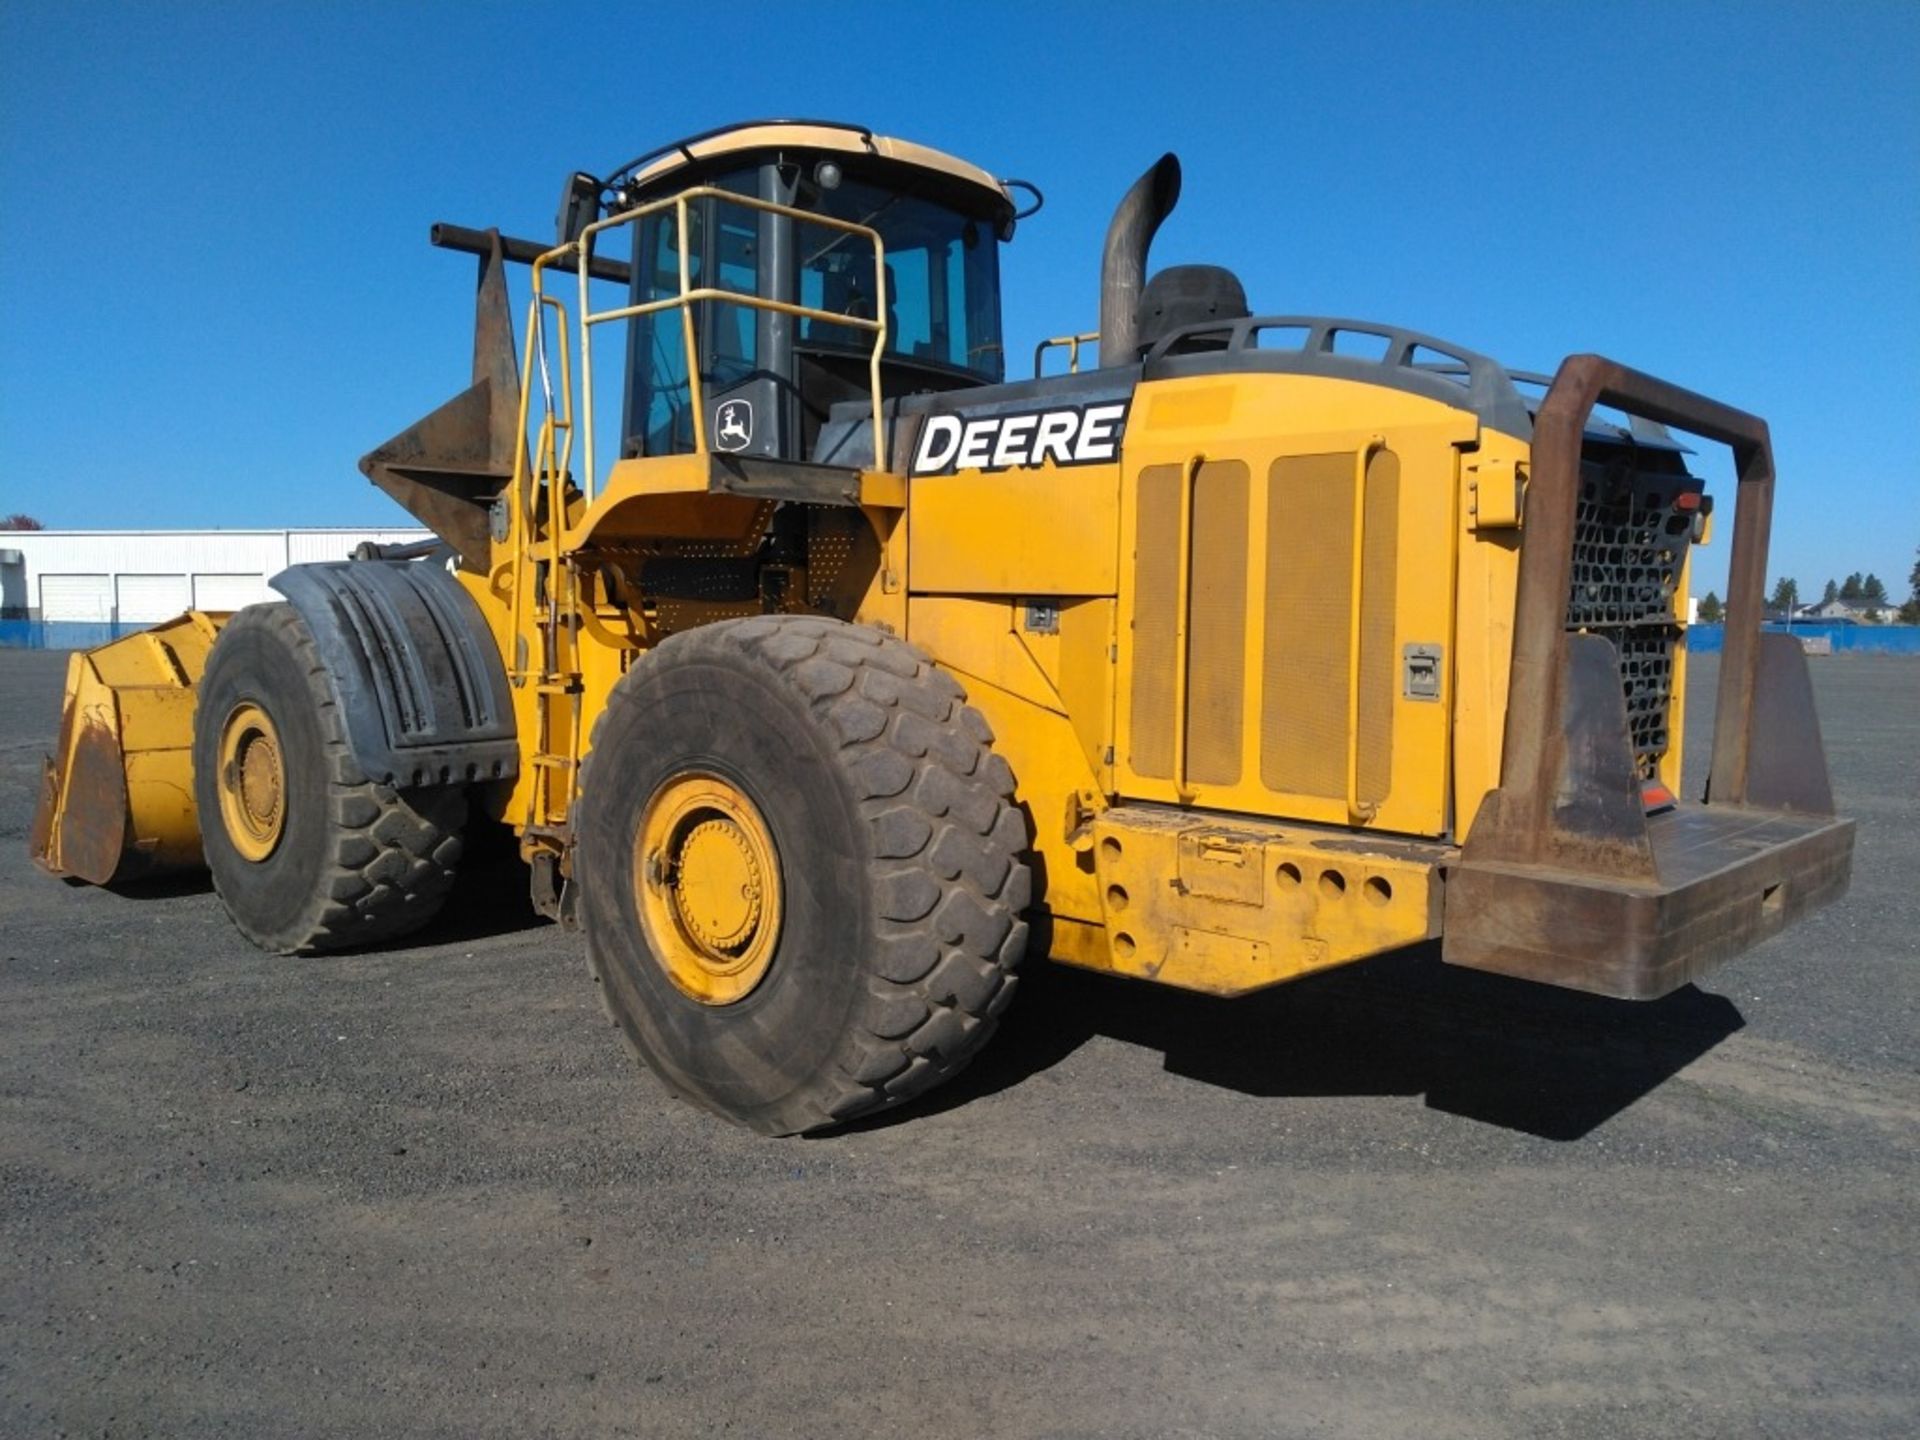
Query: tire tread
[[947, 860], [392, 857]]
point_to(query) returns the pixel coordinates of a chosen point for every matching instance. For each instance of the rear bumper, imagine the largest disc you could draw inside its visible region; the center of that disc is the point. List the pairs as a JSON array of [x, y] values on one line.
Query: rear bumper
[[1728, 878]]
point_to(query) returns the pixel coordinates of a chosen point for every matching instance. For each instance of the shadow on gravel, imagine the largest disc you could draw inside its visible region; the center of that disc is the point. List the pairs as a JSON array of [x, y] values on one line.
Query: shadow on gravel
[[491, 894], [1551, 1063], [160, 887], [488, 899]]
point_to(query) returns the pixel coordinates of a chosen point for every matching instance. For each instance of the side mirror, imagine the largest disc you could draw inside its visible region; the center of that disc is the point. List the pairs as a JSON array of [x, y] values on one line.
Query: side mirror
[[579, 207]]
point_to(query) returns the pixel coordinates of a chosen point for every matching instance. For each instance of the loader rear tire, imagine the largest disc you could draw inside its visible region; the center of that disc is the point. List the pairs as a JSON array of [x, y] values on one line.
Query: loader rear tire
[[831, 776], [329, 860]]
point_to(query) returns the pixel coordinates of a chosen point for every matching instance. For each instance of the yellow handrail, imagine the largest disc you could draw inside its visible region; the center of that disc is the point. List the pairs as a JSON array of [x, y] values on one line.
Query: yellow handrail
[[689, 297], [1070, 343], [553, 450], [549, 460], [545, 459]]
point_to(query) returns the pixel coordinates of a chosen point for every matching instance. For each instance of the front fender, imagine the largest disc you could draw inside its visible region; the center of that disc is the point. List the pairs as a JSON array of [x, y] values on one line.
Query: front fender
[[415, 671]]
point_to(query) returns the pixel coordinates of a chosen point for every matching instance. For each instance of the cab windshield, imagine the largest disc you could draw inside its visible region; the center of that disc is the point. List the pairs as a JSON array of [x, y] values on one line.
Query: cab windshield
[[942, 303], [943, 280]]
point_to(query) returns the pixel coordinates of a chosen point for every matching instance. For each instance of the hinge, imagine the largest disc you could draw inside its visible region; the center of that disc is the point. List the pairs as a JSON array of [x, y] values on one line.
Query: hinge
[[1495, 491]]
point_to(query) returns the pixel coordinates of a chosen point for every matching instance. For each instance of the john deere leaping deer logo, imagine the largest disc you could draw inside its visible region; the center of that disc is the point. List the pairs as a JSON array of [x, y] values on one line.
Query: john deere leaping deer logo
[[735, 428]]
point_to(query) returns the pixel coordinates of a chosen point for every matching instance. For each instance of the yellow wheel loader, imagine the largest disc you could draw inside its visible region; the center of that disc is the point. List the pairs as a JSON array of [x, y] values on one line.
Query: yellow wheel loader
[[824, 671]]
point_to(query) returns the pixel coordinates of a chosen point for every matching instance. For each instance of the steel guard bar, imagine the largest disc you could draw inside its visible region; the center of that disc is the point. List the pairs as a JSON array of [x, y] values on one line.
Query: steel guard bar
[[1564, 877], [1546, 568]]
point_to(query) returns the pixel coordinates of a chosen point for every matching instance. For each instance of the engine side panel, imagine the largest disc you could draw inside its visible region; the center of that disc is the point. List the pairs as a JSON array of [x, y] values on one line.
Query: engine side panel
[[1287, 556]]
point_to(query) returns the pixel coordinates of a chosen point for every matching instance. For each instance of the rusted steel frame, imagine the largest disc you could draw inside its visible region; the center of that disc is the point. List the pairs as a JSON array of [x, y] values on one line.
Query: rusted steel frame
[[447, 466], [521, 252], [1530, 762]]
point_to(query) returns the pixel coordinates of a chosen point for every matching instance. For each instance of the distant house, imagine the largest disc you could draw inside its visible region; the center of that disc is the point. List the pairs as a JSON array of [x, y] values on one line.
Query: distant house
[[1806, 615], [1844, 612]]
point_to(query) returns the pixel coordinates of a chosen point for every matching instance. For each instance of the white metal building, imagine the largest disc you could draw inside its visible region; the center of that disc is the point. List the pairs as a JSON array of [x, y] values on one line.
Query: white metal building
[[135, 577]]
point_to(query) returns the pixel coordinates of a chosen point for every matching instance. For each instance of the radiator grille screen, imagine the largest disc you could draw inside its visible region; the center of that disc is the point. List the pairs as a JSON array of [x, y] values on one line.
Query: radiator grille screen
[[1629, 548]]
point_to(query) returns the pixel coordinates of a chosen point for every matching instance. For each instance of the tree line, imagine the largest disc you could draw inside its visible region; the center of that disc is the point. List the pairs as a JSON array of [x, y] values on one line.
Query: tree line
[[1866, 593]]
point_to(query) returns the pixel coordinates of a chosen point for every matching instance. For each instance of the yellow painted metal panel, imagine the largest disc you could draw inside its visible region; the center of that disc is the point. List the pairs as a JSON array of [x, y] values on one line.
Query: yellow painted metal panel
[[977, 637], [982, 642], [156, 717], [1329, 732], [1670, 763], [1193, 407], [1050, 769], [1226, 905], [117, 795], [1083, 943], [1085, 679], [1303, 722], [1379, 660], [978, 642], [1045, 531], [1156, 577], [885, 601], [1489, 560], [1493, 493], [1222, 413], [1217, 628], [883, 489]]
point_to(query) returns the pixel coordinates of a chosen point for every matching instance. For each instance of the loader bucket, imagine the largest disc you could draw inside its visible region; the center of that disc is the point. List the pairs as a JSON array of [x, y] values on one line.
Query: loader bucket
[[116, 799]]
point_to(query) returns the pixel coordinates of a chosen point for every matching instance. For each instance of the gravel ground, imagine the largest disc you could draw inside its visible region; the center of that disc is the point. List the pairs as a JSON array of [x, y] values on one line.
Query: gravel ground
[[423, 1191]]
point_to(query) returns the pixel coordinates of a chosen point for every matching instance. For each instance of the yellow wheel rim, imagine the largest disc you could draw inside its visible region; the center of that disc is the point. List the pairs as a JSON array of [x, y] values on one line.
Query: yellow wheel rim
[[706, 882], [253, 782]]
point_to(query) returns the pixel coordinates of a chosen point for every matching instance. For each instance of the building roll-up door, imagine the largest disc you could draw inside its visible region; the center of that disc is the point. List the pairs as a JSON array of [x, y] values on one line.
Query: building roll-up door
[[230, 592], [147, 598], [87, 598]]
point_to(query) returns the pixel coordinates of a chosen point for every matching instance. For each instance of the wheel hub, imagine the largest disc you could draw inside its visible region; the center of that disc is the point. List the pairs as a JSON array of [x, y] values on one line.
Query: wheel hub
[[707, 887], [252, 782], [717, 885]]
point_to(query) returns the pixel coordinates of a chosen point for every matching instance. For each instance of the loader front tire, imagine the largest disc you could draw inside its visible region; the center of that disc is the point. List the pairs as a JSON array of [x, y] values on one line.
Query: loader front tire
[[307, 853], [802, 871]]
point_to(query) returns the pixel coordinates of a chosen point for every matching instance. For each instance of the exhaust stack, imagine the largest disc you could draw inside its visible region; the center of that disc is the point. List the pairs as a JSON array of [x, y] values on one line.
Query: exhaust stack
[[1123, 264]]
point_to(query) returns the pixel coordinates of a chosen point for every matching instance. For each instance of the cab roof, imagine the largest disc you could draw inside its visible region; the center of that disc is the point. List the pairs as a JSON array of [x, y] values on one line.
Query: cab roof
[[647, 170]]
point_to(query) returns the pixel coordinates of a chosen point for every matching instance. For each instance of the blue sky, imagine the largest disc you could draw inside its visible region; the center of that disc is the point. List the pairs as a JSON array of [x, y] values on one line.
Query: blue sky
[[213, 217]]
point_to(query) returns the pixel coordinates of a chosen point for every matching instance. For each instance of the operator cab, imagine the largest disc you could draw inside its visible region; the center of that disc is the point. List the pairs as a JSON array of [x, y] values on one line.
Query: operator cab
[[769, 378]]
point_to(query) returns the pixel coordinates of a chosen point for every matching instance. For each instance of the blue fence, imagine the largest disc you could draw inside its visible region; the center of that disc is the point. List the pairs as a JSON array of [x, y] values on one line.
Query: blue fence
[[1701, 639], [1846, 639], [63, 634]]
